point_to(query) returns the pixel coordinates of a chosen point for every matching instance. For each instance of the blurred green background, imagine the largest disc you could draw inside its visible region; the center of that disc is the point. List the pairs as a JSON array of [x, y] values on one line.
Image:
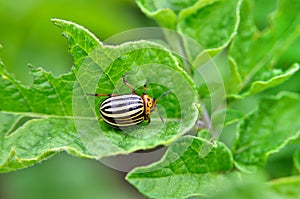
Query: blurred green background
[[28, 37]]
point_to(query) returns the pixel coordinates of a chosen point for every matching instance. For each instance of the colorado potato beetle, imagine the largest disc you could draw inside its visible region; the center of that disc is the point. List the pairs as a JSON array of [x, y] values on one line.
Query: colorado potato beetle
[[127, 110]]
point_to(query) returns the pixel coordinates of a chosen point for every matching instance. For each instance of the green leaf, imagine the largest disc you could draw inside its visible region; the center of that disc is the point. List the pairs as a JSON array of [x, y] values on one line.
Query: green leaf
[[164, 16], [191, 166], [55, 114], [165, 12], [266, 130], [287, 188], [197, 20], [254, 52], [271, 79], [37, 121], [212, 33], [81, 41]]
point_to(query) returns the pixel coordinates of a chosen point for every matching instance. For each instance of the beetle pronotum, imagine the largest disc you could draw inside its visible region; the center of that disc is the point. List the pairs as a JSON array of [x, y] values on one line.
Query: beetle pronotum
[[127, 110]]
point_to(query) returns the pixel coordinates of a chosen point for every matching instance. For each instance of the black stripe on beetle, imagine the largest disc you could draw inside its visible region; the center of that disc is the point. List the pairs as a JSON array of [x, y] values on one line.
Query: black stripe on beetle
[[128, 110], [127, 106]]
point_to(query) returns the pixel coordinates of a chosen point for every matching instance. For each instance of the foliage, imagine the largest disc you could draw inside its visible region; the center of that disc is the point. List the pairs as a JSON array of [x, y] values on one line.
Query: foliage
[[55, 114]]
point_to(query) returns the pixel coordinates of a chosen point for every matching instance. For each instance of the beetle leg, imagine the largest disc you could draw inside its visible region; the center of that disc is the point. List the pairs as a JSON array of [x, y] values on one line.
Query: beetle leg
[[101, 95], [127, 84]]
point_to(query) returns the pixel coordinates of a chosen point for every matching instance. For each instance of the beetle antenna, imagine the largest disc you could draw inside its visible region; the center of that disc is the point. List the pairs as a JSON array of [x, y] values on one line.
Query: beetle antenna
[[161, 118], [162, 95]]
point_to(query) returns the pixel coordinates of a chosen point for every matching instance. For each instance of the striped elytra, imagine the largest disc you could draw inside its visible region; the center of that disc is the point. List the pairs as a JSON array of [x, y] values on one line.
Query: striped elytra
[[123, 111]]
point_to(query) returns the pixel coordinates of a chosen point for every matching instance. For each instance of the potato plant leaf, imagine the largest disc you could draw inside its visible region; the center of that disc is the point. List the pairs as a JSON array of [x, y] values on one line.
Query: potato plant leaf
[[55, 113], [37, 121], [165, 12], [202, 25], [198, 21], [254, 53], [271, 79], [266, 130], [191, 167]]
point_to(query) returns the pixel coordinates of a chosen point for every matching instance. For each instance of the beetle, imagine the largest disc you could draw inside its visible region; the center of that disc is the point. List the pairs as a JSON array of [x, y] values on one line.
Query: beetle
[[127, 110]]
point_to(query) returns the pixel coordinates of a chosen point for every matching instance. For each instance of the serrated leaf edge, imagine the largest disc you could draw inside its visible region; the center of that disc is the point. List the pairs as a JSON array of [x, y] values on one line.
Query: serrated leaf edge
[[293, 69], [58, 22], [212, 143], [246, 168], [213, 51]]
